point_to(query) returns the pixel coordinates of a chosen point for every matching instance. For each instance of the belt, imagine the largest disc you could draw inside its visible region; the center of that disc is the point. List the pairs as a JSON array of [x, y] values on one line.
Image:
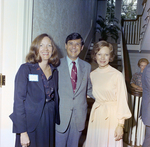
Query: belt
[[105, 106]]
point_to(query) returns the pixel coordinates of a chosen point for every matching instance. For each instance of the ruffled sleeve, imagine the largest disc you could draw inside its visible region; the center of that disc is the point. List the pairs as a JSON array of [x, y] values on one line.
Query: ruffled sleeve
[[123, 111]]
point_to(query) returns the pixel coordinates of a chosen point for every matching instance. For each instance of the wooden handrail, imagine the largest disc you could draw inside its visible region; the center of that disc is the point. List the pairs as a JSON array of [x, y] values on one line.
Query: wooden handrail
[[144, 1], [138, 16], [127, 69]]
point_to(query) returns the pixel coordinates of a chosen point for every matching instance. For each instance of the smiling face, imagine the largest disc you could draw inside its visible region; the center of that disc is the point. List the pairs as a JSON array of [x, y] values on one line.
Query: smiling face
[[73, 47], [103, 57], [45, 49]]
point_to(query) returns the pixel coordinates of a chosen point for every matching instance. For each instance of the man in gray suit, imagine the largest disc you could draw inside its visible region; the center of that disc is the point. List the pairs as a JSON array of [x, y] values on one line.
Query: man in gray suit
[[73, 104], [145, 106]]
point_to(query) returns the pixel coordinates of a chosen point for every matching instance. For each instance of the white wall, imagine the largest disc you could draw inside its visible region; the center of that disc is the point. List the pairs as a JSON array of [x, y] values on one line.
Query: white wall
[[15, 35], [139, 7], [146, 40], [134, 58], [101, 10], [118, 10], [135, 54]]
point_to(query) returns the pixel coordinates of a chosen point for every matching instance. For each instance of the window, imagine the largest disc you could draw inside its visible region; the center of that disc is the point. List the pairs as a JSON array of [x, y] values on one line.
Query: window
[[110, 14], [128, 10]]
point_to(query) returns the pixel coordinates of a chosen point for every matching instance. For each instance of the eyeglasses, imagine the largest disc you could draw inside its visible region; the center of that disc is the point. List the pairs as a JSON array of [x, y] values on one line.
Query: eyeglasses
[[74, 44]]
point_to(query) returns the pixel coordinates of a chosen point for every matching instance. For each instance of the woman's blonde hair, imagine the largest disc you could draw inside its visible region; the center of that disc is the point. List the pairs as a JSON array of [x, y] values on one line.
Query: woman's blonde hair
[[33, 55], [97, 47]]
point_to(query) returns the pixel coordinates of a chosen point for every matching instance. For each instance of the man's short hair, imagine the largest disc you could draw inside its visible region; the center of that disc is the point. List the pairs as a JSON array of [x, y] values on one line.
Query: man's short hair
[[74, 36]]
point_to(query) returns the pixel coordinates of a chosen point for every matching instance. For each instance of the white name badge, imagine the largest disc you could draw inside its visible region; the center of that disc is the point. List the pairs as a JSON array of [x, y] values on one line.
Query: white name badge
[[33, 77]]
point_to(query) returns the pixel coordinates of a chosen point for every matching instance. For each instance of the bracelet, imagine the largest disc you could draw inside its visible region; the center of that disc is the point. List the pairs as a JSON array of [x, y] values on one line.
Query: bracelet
[[121, 125]]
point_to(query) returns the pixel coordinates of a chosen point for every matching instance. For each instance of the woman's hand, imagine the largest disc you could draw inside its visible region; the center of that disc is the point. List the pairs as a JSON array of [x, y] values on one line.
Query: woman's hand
[[24, 139], [139, 88], [136, 87], [118, 132]]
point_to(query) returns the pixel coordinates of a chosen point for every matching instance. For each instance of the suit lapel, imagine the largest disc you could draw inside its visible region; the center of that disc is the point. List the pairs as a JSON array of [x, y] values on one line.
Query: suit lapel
[[65, 74]]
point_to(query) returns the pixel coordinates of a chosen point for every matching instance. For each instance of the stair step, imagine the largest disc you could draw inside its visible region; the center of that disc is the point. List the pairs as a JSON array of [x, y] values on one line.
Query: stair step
[[117, 59], [118, 45], [119, 53]]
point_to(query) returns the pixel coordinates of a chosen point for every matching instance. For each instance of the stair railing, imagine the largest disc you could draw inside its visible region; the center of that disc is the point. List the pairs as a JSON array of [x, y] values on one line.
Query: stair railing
[[134, 128], [132, 29], [132, 34]]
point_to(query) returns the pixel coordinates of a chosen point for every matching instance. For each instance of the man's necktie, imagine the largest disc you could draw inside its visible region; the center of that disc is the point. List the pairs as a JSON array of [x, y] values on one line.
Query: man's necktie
[[74, 76]]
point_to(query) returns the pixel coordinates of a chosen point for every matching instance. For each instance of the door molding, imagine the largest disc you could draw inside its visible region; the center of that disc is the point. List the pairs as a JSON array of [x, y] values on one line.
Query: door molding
[[15, 39], [24, 31]]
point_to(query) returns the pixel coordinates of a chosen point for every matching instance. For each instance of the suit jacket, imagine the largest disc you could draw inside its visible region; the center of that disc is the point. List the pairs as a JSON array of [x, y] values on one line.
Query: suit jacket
[[29, 98], [70, 101], [145, 105]]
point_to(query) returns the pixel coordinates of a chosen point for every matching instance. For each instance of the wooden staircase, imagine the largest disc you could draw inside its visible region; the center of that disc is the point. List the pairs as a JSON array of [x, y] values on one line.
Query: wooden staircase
[[117, 63]]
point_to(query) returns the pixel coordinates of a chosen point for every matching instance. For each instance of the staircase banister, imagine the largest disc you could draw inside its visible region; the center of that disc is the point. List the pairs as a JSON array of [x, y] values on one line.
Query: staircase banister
[[133, 91], [127, 69], [138, 16]]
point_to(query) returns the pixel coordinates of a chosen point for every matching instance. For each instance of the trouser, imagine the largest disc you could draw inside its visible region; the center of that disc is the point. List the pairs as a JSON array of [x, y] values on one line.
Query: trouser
[[71, 137], [146, 142]]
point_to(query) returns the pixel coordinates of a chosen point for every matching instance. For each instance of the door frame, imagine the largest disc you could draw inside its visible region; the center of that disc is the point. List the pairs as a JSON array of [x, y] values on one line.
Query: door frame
[[15, 39]]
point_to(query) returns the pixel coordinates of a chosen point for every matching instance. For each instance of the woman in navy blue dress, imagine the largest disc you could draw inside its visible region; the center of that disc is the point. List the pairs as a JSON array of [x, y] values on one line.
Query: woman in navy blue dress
[[35, 109]]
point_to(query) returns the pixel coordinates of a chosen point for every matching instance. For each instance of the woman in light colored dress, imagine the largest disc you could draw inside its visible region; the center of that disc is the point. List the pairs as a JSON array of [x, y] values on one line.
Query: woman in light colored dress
[[110, 109]]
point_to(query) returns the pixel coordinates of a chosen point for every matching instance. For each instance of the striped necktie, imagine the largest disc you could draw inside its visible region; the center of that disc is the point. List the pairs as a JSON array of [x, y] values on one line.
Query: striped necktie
[[74, 76]]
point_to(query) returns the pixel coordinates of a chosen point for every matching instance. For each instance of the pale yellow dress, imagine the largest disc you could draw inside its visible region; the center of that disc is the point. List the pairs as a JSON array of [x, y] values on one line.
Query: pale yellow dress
[[109, 109]]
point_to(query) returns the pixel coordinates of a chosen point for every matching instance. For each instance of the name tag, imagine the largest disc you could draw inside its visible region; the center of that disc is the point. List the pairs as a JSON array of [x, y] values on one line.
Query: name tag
[[33, 77]]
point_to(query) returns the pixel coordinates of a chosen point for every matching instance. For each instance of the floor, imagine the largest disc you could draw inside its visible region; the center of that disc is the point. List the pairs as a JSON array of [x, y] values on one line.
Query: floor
[[90, 102]]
